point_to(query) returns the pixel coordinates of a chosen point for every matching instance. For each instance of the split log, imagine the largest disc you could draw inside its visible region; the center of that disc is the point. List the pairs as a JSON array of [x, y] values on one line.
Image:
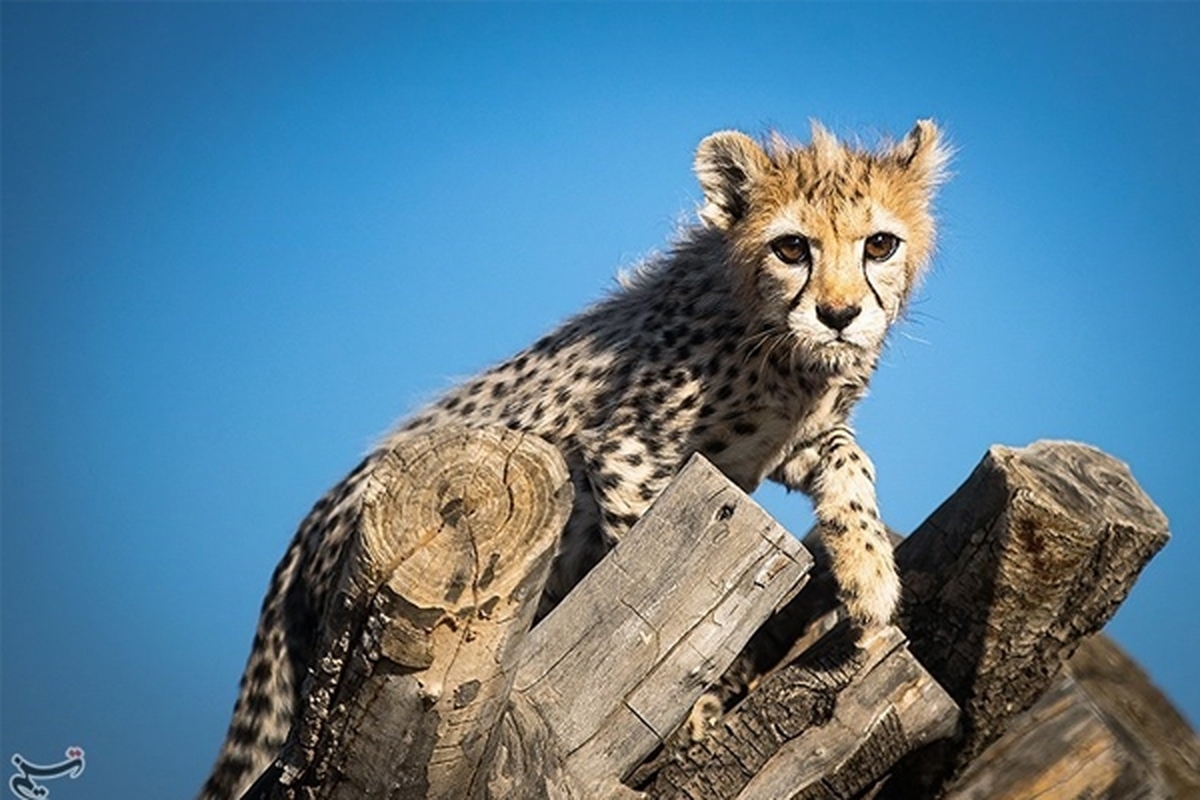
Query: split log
[[1059, 748], [1143, 718], [1035, 551], [419, 650], [617, 666]]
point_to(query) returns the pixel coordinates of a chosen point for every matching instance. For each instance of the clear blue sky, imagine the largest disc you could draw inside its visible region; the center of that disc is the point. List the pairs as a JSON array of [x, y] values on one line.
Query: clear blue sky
[[240, 240]]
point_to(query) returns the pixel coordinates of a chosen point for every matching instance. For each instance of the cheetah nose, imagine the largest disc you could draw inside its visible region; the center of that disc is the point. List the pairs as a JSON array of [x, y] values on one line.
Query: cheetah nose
[[837, 317]]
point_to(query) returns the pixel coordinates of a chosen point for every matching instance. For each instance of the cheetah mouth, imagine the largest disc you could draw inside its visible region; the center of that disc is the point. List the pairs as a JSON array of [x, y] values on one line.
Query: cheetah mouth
[[839, 342], [837, 354]]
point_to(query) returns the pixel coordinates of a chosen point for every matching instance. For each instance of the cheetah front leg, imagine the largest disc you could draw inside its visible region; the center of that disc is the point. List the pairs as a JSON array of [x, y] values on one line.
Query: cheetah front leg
[[840, 478]]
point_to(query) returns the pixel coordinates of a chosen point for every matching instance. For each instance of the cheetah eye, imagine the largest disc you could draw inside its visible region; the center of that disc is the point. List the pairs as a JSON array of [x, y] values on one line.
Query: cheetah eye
[[791, 249], [881, 246]]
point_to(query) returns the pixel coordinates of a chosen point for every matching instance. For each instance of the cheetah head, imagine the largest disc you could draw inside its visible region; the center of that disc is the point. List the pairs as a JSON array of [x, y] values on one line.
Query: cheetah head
[[827, 240]]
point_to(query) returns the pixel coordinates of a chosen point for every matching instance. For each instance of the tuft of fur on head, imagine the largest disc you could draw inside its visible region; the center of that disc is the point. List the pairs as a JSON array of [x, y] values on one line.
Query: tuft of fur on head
[[739, 175], [834, 196]]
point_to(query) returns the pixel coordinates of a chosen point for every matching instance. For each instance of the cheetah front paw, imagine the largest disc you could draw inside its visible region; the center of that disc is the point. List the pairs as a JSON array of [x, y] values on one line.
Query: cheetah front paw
[[866, 574], [705, 716], [872, 596]]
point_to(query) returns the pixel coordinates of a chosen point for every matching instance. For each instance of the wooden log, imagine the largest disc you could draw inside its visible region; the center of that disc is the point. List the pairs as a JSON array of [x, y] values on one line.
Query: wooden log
[[415, 696], [891, 708], [1035, 551], [827, 725], [616, 667], [1101, 730], [529, 762], [418, 653], [1134, 708], [1059, 748]]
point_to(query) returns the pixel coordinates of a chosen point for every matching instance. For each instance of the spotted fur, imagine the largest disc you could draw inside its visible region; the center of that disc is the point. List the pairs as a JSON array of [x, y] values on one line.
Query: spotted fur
[[727, 345]]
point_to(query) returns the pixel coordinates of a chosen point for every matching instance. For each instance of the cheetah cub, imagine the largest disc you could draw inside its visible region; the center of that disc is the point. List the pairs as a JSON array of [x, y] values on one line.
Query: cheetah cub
[[749, 342]]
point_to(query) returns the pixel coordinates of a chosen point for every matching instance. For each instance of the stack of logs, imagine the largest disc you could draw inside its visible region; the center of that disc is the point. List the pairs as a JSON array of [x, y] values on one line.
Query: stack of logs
[[430, 682]]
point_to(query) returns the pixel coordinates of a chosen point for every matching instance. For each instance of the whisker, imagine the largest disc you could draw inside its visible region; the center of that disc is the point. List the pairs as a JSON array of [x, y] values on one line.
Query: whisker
[[776, 341], [912, 338], [756, 343]]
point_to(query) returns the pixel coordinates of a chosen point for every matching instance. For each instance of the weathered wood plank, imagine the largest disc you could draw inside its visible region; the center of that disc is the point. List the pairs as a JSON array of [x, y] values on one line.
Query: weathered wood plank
[[618, 664], [1035, 550], [453, 546]]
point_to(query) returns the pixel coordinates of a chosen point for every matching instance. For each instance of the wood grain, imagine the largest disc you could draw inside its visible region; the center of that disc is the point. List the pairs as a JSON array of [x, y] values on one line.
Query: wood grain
[[454, 542], [618, 664]]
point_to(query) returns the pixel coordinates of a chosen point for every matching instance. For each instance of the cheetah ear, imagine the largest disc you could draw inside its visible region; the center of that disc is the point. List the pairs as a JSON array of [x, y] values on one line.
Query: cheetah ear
[[727, 164], [923, 153]]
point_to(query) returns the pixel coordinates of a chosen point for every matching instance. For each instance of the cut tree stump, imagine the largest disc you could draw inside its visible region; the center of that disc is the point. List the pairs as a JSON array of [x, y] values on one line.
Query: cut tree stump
[[419, 649]]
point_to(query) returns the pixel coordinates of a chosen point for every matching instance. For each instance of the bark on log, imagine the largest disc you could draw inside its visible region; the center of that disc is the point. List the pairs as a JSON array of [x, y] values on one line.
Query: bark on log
[[419, 650], [1035, 551], [826, 725], [616, 667]]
